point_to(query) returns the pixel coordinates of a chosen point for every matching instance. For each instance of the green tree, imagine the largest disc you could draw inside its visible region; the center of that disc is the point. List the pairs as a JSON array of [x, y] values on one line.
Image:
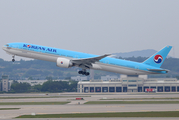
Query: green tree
[[73, 86], [54, 86], [37, 88], [20, 87]]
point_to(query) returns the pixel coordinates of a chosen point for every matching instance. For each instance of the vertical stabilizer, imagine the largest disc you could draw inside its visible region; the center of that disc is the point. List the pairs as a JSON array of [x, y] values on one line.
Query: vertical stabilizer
[[158, 58]]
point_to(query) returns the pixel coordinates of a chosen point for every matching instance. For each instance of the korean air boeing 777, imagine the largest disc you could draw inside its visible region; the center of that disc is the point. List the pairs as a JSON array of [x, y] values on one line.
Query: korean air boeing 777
[[66, 59]]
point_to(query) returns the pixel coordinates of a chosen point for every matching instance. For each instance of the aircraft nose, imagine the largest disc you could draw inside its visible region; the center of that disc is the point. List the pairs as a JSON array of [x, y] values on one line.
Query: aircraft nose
[[4, 48]]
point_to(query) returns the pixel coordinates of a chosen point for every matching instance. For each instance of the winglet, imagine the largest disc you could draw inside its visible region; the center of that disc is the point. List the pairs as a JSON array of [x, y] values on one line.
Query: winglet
[[158, 58]]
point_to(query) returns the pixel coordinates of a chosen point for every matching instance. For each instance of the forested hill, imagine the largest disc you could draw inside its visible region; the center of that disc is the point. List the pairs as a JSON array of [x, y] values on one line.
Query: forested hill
[[37, 69]]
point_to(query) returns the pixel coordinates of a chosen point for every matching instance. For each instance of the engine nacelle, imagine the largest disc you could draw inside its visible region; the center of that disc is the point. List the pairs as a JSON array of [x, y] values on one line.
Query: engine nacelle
[[63, 62]]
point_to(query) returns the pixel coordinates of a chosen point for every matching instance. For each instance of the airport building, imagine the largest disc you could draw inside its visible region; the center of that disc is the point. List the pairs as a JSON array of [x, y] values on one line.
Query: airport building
[[4, 83], [128, 84]]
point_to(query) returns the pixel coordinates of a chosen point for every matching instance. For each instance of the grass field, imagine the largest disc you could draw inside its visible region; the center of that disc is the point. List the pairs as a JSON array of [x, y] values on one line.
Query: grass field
[[122, 114], [9, 108], [132, 102], [33, 103]]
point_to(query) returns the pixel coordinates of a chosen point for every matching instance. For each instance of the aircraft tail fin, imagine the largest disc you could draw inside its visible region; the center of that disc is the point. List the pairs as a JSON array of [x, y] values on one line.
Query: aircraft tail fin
[[158, 58]]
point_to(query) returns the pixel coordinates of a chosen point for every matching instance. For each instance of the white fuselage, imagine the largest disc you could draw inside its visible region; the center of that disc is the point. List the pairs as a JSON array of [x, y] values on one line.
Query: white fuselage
[[53, 58]]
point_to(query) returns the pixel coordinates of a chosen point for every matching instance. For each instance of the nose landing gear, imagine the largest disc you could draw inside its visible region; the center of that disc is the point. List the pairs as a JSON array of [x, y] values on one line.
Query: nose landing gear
[[83, 72], [13, 58]]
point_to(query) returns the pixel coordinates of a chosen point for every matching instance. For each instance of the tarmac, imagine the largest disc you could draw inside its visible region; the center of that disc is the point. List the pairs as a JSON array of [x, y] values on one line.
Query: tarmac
[[136, 118], [78, 106]]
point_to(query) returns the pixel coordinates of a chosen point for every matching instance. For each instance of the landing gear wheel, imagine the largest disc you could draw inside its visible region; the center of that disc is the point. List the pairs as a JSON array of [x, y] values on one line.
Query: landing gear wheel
[[79, 72], [83, 73], [13, 60], [87, 73]]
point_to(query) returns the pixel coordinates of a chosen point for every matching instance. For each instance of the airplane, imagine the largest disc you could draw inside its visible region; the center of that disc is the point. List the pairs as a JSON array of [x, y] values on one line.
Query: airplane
[[66, 59]]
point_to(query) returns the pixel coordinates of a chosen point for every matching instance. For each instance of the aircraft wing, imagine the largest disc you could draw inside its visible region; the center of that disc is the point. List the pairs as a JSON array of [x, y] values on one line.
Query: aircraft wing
[[88, 61]]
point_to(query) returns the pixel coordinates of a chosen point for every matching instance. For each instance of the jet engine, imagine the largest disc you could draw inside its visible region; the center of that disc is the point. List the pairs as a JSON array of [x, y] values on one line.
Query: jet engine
[[63, 62]]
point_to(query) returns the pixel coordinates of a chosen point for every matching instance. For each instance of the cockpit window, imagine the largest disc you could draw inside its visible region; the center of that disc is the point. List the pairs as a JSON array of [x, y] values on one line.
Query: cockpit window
[[7, 44]]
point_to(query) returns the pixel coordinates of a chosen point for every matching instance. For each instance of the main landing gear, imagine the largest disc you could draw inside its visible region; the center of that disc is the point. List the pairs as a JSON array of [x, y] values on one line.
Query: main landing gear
[[83, 72], [13, 60]]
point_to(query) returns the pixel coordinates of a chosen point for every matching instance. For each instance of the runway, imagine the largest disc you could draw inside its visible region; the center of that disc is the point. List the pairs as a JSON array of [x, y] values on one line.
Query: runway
[[87, 96], [74, 107], [136, 118], [59, 109]]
